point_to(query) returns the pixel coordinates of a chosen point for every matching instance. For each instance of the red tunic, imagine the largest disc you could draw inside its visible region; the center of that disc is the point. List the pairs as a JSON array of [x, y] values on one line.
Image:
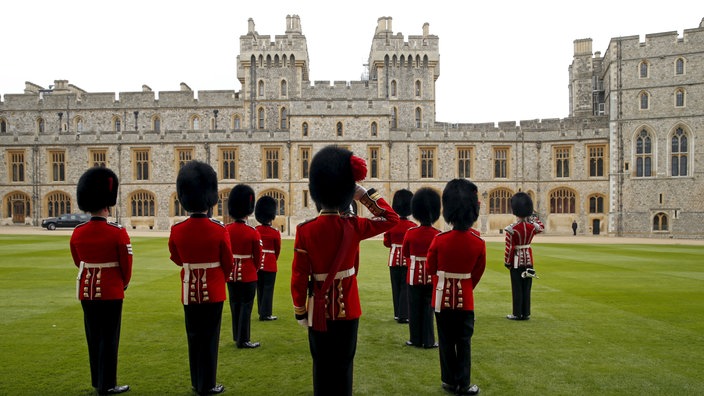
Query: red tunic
[[271, 247], [103, 253], [203, 242], [315, 248], [456, 259], [415, 250], [518, 253], [393, 239], [246, 251]]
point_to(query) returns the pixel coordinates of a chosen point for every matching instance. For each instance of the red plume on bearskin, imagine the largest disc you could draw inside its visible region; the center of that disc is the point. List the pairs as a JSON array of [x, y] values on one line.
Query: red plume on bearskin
[[359, 168]]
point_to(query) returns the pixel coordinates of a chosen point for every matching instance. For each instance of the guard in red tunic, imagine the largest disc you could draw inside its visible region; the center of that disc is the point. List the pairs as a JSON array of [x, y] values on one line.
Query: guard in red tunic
[[265, 213], [201, 246], [247, 253], [456, 260], [325, 264], [103, 254], [398, 264], [518, 256], [425, 206]]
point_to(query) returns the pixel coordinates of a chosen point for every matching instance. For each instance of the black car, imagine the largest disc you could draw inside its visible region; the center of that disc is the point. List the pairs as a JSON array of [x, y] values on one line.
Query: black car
[[66, 220]]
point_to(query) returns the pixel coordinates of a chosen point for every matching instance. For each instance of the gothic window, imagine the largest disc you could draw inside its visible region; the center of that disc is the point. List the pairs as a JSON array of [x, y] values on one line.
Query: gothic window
[[183, 155], [596, 204], [3, 125], [679, 155], [156, 124], [284, 118], [418, 90], [260, 117], [305, 162], [57, 161], [419, 117], [500, 201], [272, 163], [58, 203], [373, 162], [177, 210], [643, 69], [339, 129], [304, 129], [17, 206], [596, 160], [562, 161], [41, 125], [280, 201], [228, 160], [236, 122], [78, 124], [142, 204], [221, 207], [679, 66], [660, 222], [195, 123], [140, 159], [644, 100], [393, 88], [427, 162], [563, 200], [679, 97], [116, 124], [260, 88], [17, 165], [98, 157], [501, 162], [394, 118], [644, 154], [284, 88], [464, 162], [374, 129]]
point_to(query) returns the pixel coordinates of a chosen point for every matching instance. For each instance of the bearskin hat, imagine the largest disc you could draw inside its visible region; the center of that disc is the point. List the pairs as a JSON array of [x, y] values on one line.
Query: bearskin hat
[[331, 180], [97, 189], [460, 203], [401, 203], [197, 186], [425, 205], [265, 210], [240, 203], [521, 204]]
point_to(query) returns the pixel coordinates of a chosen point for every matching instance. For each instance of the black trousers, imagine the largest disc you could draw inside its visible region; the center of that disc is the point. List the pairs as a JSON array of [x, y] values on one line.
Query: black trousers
[[420, 315], [241, 304], [333, 357], [399, 291], [520, 292], [455, 329], [102, 320], [203, 334], [265, 292]]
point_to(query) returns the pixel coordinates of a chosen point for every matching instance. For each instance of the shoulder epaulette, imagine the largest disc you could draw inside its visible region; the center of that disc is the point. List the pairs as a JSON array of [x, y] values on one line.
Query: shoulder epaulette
[[306, 222], [82, 224], [179, 222], [112, 223], [216, 221], [443, 232]]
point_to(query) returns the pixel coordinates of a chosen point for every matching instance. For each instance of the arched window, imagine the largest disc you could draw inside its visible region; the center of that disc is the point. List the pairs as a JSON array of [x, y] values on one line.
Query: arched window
[[596, 204], [419, 117], [142, 204], [339, 129], [304, 129], [260, 118], [195, 123], [78, 124], [280, 199], [679, 66], [3, 125], [679, 97], [260, 88], [284, 88], [500, 201], [17, 206], [374, 129], [177, 210], [643, 69], [156, 124], [394, 118], [563, 200], [679, 154], [284, 118], [418, 90], [116, 124], [221, 209], [236, 122], [393, 88], [660, 222], [41, 125], [644, 154], [58, 203], [644, 100]]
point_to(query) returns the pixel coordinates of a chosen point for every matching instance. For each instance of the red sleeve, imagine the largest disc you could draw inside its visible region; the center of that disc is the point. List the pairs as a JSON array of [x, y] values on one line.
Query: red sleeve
[[508, 251], [277, 244], [173, 250], [226, 260], [383, 221], [300, 271], [479, 267], [125, 256], [432, 258], [74, 254], [256, 248], [406, 247], [387, 239]]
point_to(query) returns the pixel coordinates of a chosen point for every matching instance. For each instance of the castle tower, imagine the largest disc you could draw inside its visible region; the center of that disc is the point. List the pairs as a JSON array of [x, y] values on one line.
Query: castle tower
[[405, 73], [586, 88], [272, 72]]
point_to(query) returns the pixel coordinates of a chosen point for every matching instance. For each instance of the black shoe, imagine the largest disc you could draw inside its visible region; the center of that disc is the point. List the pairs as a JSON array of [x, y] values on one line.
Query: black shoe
[[449, 388], [217, 389], [410, 343], [268, 318], [470, 390], [402, 320], [431, 346], [513, 317], [248, 345], [115, 390]]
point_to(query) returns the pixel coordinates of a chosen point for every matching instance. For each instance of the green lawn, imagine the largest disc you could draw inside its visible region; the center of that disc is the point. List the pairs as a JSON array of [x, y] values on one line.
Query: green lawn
[[607, 319]]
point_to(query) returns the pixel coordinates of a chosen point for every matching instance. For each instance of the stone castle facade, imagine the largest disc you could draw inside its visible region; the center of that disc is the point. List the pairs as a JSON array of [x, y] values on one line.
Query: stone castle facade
[[625, 162]]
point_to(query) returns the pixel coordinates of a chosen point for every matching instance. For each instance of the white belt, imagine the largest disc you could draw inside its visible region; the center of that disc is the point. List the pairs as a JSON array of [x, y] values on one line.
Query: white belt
[[414, 259], [339, 275], [441, 285], [268, 251], [522, 246], [241, 256], [83, 265], [392, 254], [187, 268]]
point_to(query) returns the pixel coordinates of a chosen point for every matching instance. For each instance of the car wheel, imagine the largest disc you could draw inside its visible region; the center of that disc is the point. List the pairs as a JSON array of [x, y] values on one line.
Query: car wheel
[[51, 226]]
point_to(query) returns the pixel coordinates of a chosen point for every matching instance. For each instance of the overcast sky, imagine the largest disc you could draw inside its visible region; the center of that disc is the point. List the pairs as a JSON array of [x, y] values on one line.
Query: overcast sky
[[499, 60]]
